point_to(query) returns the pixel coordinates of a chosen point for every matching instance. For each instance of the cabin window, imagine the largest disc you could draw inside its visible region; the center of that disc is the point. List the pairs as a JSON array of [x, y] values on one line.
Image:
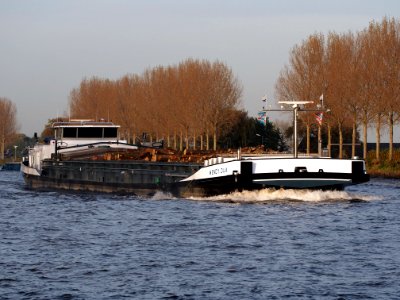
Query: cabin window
[[90, 132], [110, 132], [69, 132]]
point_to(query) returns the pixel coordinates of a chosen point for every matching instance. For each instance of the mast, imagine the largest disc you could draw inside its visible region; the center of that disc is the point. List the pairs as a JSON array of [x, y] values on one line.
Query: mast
[[295, 109], [55, 144]]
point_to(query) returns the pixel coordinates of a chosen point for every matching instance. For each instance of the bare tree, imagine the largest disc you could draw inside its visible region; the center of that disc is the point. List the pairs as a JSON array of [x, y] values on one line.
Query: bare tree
[[389, 47], [95, 98], [304, 77], [360, 74], [365, 86], [223, 95], [340, 54], [192, 99], [8, 123]]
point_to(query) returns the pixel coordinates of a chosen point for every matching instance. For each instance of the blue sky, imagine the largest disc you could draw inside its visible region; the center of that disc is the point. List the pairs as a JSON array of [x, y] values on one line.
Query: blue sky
[[49, 46]]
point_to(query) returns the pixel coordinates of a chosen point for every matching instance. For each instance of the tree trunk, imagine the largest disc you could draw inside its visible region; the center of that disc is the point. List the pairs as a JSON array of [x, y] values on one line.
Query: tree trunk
[[215, 139], [391, 124], [340, 141], [175, 144], [353, 140], [181, 141], [2, 148], [329, 146], [365, 136], [187, 139], [207, 141], [378, 137], [308, 139]]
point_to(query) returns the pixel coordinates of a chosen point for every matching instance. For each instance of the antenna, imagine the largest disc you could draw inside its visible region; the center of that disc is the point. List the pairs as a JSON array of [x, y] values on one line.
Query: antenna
[[264, 99], [295, 103]]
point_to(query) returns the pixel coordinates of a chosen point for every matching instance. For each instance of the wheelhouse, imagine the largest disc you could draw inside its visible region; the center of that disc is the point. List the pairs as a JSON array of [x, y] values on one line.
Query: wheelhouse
[[85, 130]]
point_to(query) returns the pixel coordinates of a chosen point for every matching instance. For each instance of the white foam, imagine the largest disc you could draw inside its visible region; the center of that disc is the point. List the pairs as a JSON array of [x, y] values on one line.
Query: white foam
[[159, 195], [267, 195]]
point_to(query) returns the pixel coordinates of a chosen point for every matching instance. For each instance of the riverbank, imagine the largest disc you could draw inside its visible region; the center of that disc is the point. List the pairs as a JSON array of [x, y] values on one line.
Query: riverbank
[[384, 172], [383, 167]]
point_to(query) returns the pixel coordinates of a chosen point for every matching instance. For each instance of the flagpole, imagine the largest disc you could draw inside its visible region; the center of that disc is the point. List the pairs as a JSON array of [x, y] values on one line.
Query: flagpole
[[319, 141], [295, 152]]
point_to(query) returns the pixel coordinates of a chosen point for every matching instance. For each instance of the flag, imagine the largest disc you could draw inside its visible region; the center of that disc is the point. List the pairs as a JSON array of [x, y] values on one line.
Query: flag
[[262, 117], [321, 98], [319, 116]]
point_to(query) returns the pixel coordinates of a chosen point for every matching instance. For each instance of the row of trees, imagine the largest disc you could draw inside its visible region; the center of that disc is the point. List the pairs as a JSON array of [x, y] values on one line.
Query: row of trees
[[185, 104], [249, 132], [8, 123], [358, 74], [196, 101]]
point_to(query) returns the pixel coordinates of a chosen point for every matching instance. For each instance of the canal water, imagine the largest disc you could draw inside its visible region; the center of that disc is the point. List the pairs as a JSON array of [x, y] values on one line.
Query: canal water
[[258, 245]]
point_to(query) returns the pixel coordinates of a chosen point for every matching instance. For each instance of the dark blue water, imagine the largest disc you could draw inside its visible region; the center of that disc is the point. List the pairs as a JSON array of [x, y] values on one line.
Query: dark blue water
[[265, 245]]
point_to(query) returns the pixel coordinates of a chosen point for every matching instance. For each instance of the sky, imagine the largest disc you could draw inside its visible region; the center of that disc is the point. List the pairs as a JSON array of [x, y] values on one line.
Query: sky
[[48, 46]]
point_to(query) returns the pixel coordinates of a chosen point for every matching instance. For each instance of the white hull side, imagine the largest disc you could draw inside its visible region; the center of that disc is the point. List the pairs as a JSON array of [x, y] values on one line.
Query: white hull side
[[29, 171]]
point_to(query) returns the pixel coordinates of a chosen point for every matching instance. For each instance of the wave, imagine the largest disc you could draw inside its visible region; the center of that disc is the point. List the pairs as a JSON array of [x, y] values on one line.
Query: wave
[[281, 195], [159, 195]]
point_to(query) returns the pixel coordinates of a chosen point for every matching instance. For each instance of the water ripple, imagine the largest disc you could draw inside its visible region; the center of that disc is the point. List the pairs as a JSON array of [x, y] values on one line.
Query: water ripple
[[270, 244]]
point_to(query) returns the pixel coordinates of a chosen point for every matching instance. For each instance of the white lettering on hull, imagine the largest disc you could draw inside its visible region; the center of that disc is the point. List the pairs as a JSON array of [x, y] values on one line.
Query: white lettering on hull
[[218, 171]]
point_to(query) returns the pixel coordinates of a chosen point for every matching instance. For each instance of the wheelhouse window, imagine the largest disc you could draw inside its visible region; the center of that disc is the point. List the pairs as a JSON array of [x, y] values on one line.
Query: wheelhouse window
[[69, 132], [110, 132], [90, 132]]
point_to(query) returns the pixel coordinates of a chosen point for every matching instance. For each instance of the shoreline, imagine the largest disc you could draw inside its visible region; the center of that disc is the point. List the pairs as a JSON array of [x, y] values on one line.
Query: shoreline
[[387, 174]]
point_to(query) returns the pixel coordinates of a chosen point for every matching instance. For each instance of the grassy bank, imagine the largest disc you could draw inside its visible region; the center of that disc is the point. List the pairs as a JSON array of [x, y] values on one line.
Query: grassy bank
[[384, 167]]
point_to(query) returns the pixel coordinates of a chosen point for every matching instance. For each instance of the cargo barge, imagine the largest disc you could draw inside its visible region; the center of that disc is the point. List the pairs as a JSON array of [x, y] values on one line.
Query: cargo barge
[[90, 156]]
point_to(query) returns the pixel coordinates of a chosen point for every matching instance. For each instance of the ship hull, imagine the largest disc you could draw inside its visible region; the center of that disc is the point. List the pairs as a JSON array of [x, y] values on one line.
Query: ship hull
[[125, 177], [194, 180]]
